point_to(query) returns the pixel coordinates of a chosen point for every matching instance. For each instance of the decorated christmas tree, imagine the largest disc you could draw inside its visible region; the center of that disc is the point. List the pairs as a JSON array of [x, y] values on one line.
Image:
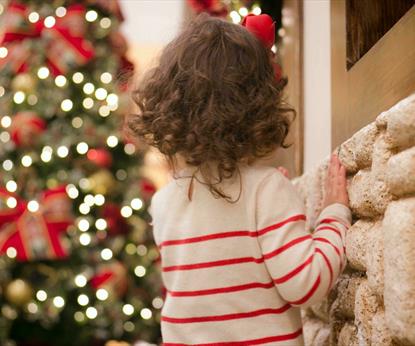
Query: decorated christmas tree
[[78, 265]]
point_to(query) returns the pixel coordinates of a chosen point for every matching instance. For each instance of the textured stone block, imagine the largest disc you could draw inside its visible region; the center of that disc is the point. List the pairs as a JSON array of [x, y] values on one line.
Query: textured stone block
[[346, 286], [399, 256], [366, 306], [380, 333], [399, 122], [356, 152], [400, 174], [356, 241], [374, 259], [316, 332], [348, 335], [381, 155], [321, 310], [368, 196]]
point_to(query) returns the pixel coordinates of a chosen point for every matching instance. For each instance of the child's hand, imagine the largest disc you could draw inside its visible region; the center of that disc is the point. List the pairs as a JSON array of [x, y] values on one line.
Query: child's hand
[[335, 184], [284, 171]]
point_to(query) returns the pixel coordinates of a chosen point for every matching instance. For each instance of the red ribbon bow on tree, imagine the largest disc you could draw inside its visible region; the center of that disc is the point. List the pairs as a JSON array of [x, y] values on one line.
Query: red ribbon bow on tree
[[263, 27], [35, 235], [66, 46]]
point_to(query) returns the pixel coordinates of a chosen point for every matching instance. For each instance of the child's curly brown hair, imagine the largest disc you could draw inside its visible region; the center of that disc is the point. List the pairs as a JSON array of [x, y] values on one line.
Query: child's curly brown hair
[[212, 99]]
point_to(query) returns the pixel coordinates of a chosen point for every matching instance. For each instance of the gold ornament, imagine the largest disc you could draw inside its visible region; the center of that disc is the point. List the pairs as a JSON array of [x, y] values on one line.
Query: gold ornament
[[102, 182], [19, 292], [23, 82]]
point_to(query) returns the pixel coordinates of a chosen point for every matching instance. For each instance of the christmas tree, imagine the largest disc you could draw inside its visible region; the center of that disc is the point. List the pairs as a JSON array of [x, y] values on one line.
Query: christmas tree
[[78, 265]]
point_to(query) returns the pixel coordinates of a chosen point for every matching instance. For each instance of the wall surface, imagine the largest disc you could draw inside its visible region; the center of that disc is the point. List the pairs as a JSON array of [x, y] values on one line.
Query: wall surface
[[317, 95], [373, 301]]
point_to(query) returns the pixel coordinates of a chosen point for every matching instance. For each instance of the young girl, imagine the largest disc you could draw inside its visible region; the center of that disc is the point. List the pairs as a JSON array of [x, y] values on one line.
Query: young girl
[[237, 261]]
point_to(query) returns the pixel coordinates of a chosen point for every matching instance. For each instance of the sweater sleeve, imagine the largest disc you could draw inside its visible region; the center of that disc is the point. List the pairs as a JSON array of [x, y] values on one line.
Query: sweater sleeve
[[303, 266]]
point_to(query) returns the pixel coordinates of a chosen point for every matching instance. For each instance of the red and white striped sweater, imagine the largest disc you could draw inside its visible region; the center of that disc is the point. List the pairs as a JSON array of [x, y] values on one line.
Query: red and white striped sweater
[[238, 274]]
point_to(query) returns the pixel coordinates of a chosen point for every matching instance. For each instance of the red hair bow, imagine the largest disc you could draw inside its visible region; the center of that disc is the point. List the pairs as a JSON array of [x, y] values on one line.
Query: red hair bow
[[262, 26]]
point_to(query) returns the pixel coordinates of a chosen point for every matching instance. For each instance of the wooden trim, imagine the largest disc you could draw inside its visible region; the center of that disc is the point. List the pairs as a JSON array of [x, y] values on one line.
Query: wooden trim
[[382, 77], [291, 52]]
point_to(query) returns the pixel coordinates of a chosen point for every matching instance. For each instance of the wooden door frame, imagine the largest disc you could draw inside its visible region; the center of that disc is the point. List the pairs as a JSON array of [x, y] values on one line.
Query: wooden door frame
[[382, 77]]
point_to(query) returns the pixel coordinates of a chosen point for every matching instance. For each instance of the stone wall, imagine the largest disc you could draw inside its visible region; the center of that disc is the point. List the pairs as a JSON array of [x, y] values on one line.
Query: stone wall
[[373, 301]]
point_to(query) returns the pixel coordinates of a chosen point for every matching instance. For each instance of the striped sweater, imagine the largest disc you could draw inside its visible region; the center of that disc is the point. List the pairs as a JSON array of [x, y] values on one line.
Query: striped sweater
[[238, 274]]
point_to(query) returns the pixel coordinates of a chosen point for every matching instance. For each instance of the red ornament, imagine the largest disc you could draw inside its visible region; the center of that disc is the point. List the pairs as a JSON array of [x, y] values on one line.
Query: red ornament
[[112, 277], [35, 235], [213, 7], [26, 128], [147, 188], [101, 157], [116, 224]]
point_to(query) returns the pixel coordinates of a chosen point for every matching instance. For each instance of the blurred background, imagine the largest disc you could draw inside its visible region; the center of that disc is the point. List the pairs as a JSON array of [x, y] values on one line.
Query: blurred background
[[78, 265]]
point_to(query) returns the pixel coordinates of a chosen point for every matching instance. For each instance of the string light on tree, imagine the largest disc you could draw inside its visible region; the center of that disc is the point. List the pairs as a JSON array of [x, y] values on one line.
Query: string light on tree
[[33, 17], [89, 200], [72, 191], [41, 295], [128, 309], [91, 313], [59, 302], [112, 141], [85, 239], [62, 151], [88, 103], [141, 250], [11, 252], [84, 208], [3, 52], [43, 72], [83, 225], [102, 294], [49, 21], [243, 11], [32, 99], [66, 105], [106, 254], [11, 202], [80, 280], [33, 206], [101, 224], [101, 94], [4, 136], [105, 23], [82, 148], [19, 97], [88, 88], [91, 16], [136, 204], [60, 11], [99, 199], [32, 308], [26, 161], [46, 154], [104, 111], [140, 271], [79, 316], [236, 18], [146, 314], [11, 186], [157, 303], [126, 211], [78, 77], [256, 10], [77, 122], [6, 121], [106, 78], [83, 300], [7, 165], [60, 81]]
